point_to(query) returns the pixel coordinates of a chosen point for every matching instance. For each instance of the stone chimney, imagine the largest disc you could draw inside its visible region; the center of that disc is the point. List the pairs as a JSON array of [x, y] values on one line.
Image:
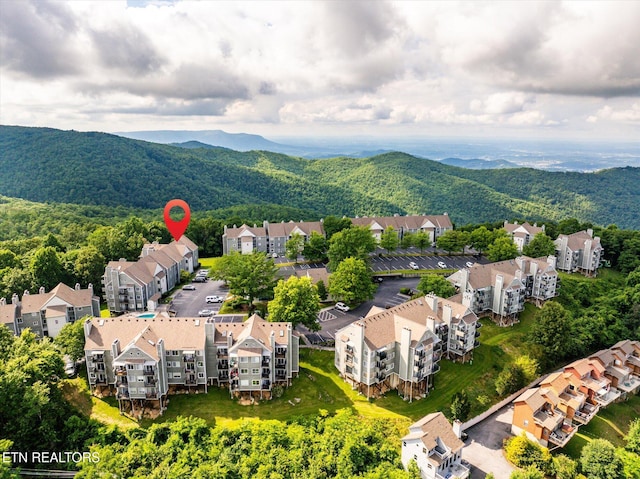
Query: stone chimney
[[77, 287], [41, 290]]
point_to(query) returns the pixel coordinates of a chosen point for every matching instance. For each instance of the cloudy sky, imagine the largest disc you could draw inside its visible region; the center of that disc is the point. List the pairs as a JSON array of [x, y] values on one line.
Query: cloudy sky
[[521, 69]]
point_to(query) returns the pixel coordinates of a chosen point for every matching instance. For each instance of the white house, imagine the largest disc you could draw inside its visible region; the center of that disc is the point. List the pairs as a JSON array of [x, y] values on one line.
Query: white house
[[435, 447]]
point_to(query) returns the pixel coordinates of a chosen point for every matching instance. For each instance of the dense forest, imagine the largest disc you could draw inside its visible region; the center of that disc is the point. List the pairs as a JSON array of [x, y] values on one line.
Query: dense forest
[[42, 164]]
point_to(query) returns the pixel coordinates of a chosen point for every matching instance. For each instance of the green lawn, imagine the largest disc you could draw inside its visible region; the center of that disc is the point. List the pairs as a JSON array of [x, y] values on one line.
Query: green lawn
[[76, 391], [611, 423]]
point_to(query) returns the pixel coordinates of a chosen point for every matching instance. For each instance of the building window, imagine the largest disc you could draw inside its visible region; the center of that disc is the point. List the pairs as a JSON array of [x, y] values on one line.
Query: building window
[[255, 371], [130, 366], [201, 375], [244, 371], [255, 382], [200, 364]]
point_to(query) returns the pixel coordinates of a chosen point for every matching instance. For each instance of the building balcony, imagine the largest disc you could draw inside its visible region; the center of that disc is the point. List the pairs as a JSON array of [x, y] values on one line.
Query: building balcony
[[189, 358], [631, 384], [223, 364], [585, 413], [223, 376], [99, 380], [435, 368], [121, 371], [266, 373], [280, 353], [454, 471], [122, 395], [562, 435], [190, 381], [222, 353], [604, 398], [122, 381]]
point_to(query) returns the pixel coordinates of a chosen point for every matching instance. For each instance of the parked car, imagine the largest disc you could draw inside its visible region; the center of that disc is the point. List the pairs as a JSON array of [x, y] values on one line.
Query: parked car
[[414, 265], [203, 272], [205, 313], [189, 287], [342, 307], [200, 279], [274, 255], [214, 299], [442, 265], [469, 264]]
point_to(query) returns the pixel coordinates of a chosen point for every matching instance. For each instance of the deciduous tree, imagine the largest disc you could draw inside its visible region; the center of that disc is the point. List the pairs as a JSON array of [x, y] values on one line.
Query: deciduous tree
[[351, 282], [46, 268], [501, 249], [598, 460], [389, 239], [436, 284], [355, 242], [316, 247], [295, 300], [70, 339], [460, 406], [552, 331], [293, 247], [540, 245], [249, 276]]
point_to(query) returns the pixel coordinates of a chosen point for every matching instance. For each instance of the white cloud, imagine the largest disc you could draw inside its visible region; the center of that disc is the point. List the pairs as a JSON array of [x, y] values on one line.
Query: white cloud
[[385, 65]]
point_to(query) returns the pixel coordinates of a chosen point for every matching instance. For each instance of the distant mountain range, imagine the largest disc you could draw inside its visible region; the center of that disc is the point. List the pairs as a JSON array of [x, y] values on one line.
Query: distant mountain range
[[48, 165], [482, 153]]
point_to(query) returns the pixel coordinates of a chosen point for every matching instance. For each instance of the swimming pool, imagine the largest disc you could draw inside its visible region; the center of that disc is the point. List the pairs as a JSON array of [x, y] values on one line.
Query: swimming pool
[[146, 315]]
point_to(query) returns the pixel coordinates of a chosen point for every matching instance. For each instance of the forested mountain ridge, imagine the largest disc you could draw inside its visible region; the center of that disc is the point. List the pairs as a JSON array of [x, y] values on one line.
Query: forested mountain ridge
[[48, 165]]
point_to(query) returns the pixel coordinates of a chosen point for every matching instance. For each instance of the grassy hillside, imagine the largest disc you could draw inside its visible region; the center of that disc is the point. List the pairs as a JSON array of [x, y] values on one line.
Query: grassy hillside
[[47, 165]]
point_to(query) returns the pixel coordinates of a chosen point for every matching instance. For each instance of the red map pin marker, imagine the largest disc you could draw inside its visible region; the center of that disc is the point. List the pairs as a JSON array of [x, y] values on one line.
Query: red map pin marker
[[177, 228]]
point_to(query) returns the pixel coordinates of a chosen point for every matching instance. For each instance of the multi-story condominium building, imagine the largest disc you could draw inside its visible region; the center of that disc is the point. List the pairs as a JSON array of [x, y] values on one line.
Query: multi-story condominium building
[[271, 238], [573, 403], [617, 372], [8, 315], [628, 352], [522, 234], [579, 252], [593, 382], [46, 313], [537, 413], [500, 289], [399, 348], [139, 285], [433, 225], [251, 357], [280, 233], [435, 447], [246, 239], [551, 413], [145, 357]]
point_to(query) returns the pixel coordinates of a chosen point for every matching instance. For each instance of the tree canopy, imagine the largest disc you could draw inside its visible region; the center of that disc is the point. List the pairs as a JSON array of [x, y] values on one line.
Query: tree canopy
[[295, 300], [351, 282]]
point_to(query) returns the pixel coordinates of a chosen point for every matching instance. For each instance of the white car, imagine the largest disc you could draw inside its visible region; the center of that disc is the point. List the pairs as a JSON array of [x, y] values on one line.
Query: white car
[[189, 287], [342, 307], [469, 264], [414, 265], [205, 313], [214, 299], [442, 265], [274, 255]]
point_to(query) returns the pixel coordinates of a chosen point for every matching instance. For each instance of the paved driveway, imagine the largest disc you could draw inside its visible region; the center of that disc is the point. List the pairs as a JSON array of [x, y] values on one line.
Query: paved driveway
[[483, 449], [186, 304]]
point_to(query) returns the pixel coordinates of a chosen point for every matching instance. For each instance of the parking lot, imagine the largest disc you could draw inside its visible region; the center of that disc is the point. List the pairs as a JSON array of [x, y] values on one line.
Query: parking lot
[[186, 304], [383, 264]]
